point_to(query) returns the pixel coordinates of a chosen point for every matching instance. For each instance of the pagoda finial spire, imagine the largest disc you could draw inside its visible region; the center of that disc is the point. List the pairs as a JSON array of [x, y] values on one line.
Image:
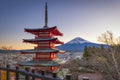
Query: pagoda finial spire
[[46, 15]]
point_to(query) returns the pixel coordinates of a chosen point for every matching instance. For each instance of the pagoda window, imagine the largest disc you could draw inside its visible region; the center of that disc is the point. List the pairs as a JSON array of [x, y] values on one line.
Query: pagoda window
[[44, 34], [52, 45], [53, 55], [43, 55], [51, 34], [44, 44], [52, 68]]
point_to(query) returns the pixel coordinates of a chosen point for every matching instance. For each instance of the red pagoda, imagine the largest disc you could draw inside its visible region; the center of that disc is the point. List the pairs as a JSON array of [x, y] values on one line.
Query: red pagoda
[[45, 51]]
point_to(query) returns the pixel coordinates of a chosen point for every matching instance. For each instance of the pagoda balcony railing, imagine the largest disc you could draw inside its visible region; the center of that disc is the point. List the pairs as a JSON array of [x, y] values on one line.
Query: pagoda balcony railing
[[43, 47], [43, 58], [28, 74], [36, 37]]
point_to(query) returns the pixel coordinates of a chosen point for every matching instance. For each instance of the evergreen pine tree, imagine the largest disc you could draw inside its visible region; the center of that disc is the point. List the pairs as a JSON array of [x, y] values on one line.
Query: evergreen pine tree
[[86, 53]]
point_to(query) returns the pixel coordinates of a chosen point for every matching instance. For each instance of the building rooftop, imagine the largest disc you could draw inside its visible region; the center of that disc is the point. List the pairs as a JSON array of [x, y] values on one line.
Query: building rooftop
[[41, 63], [48, 50], [54, 30], [36, 40]]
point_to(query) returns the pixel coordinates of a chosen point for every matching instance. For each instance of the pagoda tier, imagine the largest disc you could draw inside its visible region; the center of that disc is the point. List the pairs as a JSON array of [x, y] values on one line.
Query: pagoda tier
[[43, 54], [38, 40], [53, 30], [46, 51], [48, 65]]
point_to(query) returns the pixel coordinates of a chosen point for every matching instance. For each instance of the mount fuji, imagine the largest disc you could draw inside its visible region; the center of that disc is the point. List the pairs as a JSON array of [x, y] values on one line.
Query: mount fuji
[[77, 45]]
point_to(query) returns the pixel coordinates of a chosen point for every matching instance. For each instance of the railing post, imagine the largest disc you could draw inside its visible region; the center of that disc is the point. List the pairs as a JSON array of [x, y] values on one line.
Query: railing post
[[33, 71], [17, 74], [54, 75], [7, 73], [68, 77], [43, 72], [27, 76]]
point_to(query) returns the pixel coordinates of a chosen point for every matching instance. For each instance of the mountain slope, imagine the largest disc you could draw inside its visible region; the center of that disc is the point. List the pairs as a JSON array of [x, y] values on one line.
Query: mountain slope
[[77, 45], [77, 40]]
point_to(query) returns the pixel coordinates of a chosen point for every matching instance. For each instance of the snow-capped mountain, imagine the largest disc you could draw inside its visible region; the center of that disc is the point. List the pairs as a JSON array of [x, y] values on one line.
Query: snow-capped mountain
[[77, 45], [78, 40]]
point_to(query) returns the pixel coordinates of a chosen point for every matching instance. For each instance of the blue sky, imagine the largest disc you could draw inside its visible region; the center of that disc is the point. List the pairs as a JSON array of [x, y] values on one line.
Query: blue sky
[[74, 18]]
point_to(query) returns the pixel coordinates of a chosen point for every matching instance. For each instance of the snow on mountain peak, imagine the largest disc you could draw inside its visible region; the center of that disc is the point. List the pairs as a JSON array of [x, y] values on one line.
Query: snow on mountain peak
[[78, 40]]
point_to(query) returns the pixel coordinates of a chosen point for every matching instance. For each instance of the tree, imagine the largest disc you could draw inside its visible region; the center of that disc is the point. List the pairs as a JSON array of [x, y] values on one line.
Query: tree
[[106, 60], [110, 58], [86, 53]]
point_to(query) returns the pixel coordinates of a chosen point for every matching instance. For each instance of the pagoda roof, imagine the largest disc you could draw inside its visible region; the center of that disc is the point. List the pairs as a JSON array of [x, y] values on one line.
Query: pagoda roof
[[41, 63], [42, 51], [36, 40], [54, 30]]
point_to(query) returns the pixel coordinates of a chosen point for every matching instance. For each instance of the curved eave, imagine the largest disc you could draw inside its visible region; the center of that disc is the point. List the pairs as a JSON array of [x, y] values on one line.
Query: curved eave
[[61, 51], [58, 42], [54, 30], [41, 50], [39, 29], [41, 63], [35, 41], [35, 31]]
